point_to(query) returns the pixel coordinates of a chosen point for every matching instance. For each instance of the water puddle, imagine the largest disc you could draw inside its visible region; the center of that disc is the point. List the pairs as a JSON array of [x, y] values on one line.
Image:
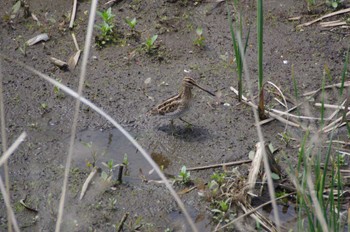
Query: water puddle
[[97, 147]]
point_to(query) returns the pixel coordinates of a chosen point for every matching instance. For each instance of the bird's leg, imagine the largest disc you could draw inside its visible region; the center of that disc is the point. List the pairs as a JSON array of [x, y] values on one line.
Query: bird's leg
[[189, 125], [172, 127]]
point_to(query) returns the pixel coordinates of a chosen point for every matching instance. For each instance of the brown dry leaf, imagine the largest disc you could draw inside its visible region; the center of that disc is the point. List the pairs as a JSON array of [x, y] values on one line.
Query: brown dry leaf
[[73, 60]]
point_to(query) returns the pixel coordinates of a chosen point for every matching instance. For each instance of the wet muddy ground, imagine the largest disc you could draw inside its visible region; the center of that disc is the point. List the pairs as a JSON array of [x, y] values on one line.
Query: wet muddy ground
[[115, 81]]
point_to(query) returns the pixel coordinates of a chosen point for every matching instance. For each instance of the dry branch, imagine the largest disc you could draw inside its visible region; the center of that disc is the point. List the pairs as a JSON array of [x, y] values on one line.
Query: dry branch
[[219, 165], [338, 85], [343, 11], [121, 223], [335, 23]]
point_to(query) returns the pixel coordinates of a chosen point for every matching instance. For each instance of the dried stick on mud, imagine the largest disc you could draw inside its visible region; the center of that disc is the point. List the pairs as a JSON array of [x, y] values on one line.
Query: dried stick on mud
[[338, 85], [343, 11], [219, 165], [121, 223], [337, 123], [335, 23]]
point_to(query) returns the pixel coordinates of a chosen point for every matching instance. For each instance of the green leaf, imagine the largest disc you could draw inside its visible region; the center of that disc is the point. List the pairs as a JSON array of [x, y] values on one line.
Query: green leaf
[[133, 21], [153, 39], [274, 176], [104, 175], [199, 31], [16, 7]]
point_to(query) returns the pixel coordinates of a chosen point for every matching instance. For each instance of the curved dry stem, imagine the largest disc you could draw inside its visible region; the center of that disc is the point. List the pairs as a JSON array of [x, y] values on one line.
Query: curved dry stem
[[282, 95], [5, 195], [11, 149]]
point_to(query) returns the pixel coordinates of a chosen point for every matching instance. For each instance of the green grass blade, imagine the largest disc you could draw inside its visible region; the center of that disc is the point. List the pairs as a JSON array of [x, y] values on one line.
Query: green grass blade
[[322, 100], [260, 22], [239, 68], [246, 40], [345, 69]]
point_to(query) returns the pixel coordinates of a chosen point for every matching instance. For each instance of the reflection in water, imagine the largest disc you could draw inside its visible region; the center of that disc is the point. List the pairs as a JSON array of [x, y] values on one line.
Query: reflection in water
[[95, 146], [162, 161]]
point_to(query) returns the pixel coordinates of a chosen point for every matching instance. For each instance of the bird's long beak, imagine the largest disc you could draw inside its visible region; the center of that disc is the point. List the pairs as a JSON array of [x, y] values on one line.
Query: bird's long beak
[[204, 90]]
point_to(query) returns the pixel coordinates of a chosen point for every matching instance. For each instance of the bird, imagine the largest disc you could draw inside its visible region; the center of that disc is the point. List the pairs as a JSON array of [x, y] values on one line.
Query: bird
[[176, 106]]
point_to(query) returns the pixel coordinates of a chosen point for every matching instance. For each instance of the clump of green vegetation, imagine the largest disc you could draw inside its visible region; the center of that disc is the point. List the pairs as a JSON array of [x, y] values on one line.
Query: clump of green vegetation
[[131, 23], [218, 177], [184, 176], [310, 3], [57, 91], [220, 209], [107, 176], [44, 106], [106, 28], [149, 44], [335, 4], [199, 40]]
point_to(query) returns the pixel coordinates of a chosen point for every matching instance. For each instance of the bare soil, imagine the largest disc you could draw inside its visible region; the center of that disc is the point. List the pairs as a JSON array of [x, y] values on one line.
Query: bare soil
[[116, 82]]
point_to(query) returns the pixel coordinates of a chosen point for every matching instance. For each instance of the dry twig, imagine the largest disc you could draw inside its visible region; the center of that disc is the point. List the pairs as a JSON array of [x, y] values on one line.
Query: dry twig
[[343, 11], [74, 11], [219, 165], [121, 223]]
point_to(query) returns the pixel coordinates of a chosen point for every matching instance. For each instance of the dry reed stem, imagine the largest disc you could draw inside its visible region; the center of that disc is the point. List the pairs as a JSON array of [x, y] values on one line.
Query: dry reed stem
[[338, 85], [76, 112], [219, 165], [74, 11], [343, 11], [4, 144], [12, 148], [255, 167], [274, 116], [261, 137]]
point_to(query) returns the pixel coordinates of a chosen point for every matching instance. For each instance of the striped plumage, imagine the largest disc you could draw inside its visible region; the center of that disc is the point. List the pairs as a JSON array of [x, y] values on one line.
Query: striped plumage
[[176, 106]]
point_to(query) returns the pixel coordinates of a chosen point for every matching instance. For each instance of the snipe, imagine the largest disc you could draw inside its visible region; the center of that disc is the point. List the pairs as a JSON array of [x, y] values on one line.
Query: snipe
[[176, 106]]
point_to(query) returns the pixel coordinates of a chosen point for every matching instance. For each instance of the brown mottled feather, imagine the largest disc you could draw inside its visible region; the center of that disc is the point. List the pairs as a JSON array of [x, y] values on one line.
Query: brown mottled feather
[[178, 104]]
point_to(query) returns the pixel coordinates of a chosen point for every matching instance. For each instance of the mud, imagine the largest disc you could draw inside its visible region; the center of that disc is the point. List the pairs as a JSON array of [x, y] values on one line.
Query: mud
[[115, 81]]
